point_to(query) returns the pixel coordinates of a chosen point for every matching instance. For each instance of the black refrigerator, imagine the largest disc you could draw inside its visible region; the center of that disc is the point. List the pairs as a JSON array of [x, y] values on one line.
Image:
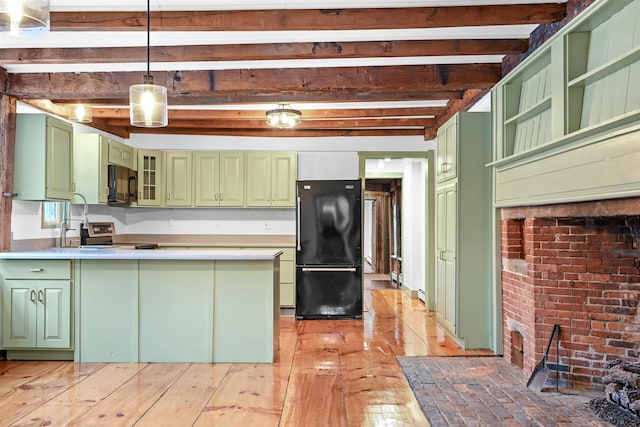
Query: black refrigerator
[[328, 250]]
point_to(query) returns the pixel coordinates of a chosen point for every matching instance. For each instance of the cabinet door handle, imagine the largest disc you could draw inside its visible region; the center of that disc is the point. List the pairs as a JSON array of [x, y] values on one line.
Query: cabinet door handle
[[168, 196], [444, 167], [41, 296], [36, 270], [220, 196], [298, 245], [32, 296]]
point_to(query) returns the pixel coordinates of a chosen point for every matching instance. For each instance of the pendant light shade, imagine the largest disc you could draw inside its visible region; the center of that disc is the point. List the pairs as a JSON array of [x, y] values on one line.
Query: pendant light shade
[[148, 104], [283, 117], [24, 16], [80, 113], [147, 101]]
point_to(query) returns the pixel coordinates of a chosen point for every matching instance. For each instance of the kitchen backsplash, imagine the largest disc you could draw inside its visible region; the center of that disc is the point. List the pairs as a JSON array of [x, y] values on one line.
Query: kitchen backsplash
[[26, 221]]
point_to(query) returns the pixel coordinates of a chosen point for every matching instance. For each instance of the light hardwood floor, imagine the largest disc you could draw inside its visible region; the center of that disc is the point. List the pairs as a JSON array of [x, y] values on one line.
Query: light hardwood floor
[[328, 373]]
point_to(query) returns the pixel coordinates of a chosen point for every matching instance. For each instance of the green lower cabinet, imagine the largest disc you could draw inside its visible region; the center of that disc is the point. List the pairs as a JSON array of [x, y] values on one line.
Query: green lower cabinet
[[36, 314], [191, 311], [246, 329], [108, 311], [176, 303], [288, 278]]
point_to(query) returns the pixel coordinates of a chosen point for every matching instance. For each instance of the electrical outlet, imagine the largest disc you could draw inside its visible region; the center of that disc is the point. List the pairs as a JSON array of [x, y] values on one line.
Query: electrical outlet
[[268, 225], [170, 222]]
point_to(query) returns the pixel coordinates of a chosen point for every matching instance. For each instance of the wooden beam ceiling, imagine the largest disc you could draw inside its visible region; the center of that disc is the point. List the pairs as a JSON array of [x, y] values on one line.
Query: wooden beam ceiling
[[271, 51], [265, 85], [203, 93], [310, 19]]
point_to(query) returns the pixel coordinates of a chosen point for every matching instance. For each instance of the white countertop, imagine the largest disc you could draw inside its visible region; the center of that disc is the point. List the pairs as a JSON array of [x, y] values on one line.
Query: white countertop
[[150, 254]]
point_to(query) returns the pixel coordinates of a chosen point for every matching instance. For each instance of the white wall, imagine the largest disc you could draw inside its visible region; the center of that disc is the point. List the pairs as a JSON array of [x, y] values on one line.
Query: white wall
[[321, 144], [210, 221], [413, 224], [368, 229], [26, 219], [327, 165]]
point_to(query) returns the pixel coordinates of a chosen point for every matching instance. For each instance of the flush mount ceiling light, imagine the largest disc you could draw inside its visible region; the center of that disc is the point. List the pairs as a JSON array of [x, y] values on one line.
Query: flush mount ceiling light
[[24, 16], [147, 101], [80, 113], [283, 117]]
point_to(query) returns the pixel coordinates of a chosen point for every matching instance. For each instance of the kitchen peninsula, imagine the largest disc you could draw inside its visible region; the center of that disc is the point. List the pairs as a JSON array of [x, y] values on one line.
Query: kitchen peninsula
[[118, 305]]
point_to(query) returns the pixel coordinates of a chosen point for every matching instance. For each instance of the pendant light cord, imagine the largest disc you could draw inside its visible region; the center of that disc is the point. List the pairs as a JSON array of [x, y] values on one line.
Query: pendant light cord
[[148, 37]]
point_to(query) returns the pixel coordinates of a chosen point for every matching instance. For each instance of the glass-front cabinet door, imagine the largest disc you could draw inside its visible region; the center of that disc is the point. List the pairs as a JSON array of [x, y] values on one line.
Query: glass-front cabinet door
[[149, 178]]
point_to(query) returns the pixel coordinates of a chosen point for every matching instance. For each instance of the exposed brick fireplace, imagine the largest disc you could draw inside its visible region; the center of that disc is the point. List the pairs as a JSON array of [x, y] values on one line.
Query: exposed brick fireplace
[[576, 265]]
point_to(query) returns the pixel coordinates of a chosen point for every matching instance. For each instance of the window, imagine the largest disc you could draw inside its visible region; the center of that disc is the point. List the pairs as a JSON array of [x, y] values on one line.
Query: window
[[52, 213]]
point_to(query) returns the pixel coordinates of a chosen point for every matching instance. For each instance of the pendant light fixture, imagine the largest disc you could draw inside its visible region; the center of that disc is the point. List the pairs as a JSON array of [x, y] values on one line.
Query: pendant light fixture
[[80, 113], [283, 117], [147, 101], [24, 16]]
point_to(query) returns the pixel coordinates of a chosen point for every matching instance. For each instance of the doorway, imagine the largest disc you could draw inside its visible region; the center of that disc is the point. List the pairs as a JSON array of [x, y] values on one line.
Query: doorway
[[402, 225], [382, 228]]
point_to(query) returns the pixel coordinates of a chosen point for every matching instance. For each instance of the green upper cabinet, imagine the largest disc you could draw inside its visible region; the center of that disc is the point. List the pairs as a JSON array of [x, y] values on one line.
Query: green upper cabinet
[[219, 179], [91, 152], [232, 178], [150, 178], [43, 166], [120, 154], [580, 82], [566, 119], [447, 158], [284, 172], [258, 178], [179, 177], [271, 178]]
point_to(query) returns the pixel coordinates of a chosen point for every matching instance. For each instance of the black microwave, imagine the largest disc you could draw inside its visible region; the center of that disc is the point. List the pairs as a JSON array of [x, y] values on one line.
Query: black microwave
[[123, 185]]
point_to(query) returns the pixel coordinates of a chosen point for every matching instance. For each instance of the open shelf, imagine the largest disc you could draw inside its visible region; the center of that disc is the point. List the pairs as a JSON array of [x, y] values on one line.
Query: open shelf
[[609, 68], [533, 111]]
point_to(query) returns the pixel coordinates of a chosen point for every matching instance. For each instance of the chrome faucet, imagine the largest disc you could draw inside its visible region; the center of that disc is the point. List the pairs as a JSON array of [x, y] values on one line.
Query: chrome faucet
[[85, 211], [84, 222]]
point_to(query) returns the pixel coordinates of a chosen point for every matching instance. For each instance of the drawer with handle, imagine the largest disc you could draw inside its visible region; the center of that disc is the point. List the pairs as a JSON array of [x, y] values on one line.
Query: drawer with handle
[[36, 269]]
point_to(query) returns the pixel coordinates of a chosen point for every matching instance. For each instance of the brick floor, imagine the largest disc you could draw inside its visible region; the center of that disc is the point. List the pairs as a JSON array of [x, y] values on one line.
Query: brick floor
[[488, 391]]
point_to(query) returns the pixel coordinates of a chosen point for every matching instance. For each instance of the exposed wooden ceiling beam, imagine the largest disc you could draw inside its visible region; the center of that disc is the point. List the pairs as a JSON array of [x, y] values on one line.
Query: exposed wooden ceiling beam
[[271, 51], [297, 133], [311, 19], [469, 98], [304, 124], [120, 113], [266, 85]]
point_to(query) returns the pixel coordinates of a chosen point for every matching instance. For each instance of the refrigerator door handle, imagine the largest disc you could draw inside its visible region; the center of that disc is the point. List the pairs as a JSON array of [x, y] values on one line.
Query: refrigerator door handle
[[331, 269], [298, 226]]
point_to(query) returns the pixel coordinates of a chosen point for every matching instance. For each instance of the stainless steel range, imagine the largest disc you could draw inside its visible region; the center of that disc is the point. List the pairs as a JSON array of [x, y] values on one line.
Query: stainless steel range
[[100, 234]]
